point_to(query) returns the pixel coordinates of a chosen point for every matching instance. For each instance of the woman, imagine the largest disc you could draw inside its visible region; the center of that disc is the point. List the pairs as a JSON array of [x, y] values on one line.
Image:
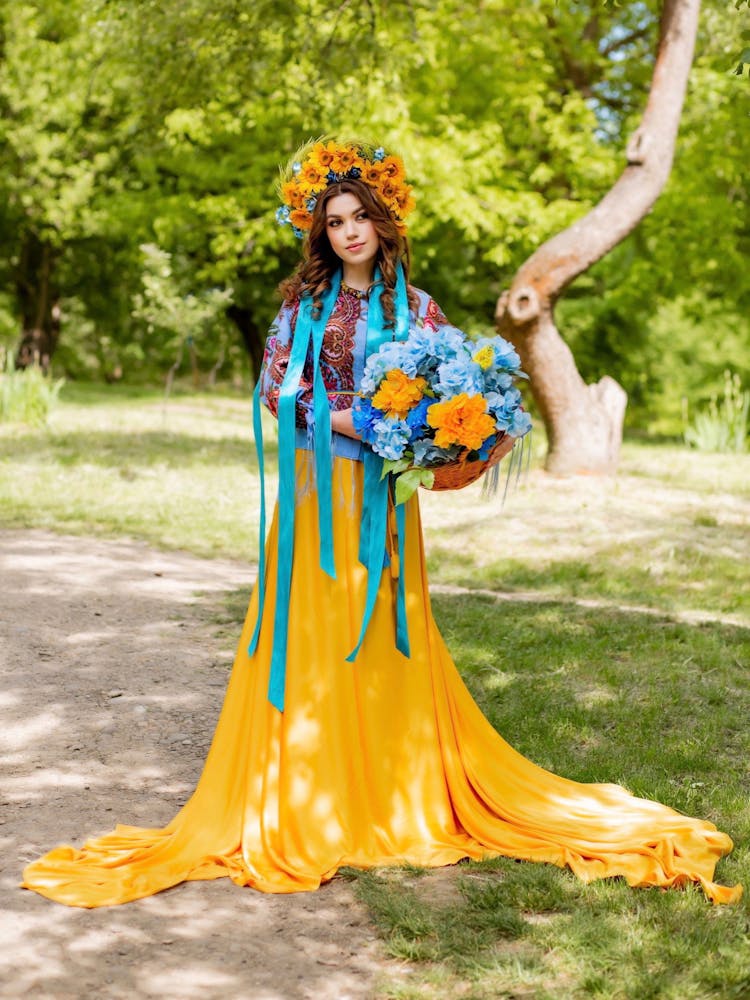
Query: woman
[[347, 736]]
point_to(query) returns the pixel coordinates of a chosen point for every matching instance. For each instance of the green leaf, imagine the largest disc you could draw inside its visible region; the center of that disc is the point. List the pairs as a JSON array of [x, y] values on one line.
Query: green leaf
[[407, 483], [394, 465]]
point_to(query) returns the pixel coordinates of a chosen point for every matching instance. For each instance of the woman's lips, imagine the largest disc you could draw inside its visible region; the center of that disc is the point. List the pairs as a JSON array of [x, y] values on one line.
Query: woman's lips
[[355, 246]]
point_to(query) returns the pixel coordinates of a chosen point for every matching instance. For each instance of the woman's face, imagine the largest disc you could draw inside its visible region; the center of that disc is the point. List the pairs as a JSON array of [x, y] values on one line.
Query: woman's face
[[350, 232]]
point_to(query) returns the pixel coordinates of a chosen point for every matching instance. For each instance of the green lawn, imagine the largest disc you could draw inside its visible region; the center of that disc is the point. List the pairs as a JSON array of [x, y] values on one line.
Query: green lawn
[[618, 650]]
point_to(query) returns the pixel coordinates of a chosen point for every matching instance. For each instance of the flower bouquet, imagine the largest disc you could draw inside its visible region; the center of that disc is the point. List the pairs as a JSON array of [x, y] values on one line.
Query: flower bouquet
[[439, 401]]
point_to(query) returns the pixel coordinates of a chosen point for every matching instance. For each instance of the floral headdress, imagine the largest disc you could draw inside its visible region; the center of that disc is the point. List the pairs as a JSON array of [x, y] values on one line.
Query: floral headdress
[[320, 163]]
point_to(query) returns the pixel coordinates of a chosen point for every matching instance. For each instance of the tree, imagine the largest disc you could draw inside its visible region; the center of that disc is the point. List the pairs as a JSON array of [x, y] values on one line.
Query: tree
[[584, 422]]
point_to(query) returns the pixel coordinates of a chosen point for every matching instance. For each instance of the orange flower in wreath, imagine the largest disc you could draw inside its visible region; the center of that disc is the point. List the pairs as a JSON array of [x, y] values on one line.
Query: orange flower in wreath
[[393, 168], [461, 420], [300, 218], [322, 156], [292, 195], [398, 393], [344, 160]]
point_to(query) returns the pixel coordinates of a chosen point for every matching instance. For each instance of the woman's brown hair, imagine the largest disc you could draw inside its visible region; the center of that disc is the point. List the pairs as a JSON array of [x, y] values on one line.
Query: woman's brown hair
[[313, 274]]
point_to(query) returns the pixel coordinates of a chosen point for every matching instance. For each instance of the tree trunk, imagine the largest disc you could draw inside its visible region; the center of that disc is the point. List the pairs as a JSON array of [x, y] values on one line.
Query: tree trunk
[[253, 337], [584, 423], [39, 301]]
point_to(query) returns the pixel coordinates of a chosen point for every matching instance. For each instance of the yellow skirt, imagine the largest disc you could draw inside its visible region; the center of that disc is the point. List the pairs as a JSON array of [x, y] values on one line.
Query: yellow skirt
[[383, 761]]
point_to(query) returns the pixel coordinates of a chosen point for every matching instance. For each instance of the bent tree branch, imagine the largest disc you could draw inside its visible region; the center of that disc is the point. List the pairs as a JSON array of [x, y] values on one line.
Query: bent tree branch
[[584, 422]]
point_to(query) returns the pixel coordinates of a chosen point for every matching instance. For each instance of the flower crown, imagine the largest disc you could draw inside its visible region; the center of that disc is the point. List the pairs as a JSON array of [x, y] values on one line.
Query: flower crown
[[321, 163]]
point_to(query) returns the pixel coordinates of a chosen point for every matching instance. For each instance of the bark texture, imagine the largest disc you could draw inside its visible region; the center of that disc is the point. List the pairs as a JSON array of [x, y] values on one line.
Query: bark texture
[[253, 338], [584, 422]]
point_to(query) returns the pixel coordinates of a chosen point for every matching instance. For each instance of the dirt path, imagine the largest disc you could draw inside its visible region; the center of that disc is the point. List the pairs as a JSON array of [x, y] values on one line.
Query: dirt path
[[112, 675]]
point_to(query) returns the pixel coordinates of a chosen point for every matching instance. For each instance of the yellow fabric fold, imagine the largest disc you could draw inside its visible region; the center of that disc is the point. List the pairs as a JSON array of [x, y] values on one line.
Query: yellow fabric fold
[[383, 761]]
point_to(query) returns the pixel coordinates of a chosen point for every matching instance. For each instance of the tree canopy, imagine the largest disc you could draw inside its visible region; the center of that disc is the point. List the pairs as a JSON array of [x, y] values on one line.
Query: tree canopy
[[140, 144]]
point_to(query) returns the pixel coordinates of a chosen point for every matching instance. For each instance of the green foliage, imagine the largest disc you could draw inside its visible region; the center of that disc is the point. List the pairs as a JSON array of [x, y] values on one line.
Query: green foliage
[[27, 396], [162, 124], [724, 425]]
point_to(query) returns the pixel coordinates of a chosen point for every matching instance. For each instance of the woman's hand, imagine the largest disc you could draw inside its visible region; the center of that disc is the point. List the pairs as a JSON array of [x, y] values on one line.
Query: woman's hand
[[342, 423]]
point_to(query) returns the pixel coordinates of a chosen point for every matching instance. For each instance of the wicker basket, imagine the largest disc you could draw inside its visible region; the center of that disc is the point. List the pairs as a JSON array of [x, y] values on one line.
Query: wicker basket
[[460, 472]]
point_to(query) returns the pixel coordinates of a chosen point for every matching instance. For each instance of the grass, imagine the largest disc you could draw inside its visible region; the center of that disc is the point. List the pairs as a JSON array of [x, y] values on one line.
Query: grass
[[632, 690], [115, 461]]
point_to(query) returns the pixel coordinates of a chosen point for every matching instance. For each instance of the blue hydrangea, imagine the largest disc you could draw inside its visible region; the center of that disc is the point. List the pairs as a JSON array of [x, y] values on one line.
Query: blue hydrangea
[[447, 343], [497, 381], [282, 214], [520, 423], [392, 355], [459, 375], [391, 438], [505, 354], [379, 154]]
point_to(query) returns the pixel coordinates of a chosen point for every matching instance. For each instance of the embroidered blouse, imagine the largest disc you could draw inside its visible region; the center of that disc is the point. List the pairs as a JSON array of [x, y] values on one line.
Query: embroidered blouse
[[342, 359]]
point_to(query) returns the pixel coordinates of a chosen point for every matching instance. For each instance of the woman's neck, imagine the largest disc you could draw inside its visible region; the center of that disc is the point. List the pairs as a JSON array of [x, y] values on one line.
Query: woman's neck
[[358, 276]]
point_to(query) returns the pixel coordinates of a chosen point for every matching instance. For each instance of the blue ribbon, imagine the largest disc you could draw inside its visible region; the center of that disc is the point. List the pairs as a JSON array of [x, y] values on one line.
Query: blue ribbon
[[308, 340], [374, 522]]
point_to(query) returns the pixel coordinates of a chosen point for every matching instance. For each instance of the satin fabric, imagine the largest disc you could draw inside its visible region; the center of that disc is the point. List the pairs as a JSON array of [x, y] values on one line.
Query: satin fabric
[[379, 762]]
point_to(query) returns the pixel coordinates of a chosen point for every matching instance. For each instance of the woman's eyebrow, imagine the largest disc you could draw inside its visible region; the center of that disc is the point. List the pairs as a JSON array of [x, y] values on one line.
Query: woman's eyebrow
[[335, 215]]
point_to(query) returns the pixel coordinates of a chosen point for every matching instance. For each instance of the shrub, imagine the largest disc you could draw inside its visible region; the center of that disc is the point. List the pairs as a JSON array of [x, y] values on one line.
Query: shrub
[[26, 395]]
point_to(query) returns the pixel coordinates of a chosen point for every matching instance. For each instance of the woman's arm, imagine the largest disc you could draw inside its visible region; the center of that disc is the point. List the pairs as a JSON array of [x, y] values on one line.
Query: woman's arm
[[341, 423]]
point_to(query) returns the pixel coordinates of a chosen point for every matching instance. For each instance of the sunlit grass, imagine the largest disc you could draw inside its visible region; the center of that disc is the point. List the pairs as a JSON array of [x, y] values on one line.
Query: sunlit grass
[[180, 473], [670, 531]]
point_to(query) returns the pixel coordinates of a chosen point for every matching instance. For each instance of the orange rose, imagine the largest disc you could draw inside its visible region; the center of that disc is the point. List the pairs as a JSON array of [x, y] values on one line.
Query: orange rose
[[461, 420]]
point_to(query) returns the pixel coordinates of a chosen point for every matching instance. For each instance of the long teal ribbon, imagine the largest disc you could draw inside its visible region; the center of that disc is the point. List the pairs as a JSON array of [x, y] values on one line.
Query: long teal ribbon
[[308, 338], [258, 435], [374, 521]]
